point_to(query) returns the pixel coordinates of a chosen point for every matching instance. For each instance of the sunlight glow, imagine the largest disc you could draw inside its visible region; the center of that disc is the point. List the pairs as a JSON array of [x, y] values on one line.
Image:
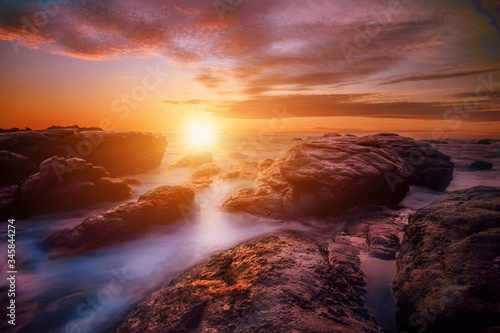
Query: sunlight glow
[[200, 134]]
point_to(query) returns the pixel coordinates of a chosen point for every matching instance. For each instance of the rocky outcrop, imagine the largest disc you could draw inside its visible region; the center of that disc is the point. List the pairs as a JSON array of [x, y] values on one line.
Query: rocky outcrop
[[324, 175], [15, 168], [161, 206], [379, 235], [193, 160], [272, 284], [118, 152], [480, 165], [449, 265], [62, 185], [483, 142]]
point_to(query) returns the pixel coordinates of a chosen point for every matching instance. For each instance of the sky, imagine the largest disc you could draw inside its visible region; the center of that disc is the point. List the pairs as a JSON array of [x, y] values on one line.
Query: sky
[[421, 68]]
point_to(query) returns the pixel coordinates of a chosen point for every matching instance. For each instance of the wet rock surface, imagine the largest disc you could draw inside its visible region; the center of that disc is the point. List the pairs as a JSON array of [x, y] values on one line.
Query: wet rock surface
[[118, 152], [449, 265], [324, 175], [14, 168], [63, 185], [161, 206], [272, 284]]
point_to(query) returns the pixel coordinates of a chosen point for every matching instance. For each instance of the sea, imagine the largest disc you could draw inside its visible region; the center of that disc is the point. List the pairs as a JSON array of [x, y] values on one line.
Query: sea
[[95, 291]]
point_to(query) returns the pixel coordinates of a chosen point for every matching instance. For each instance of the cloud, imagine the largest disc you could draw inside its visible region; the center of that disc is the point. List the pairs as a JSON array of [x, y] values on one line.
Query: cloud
[[440, 74], [352, 105], [188, 102]]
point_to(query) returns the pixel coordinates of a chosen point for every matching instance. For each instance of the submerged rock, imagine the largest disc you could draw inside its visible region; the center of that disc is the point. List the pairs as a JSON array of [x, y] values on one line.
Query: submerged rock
[[449, 265], [119, 152], [320, 176], [62, 185], [14, 168], [207, 170], [160, 206], [331, 135], [483, 142], [480, 165], [193, 160], [272, 284]]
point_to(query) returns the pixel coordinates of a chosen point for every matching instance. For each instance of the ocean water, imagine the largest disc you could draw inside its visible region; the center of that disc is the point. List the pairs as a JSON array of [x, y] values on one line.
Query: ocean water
[[93, 292]]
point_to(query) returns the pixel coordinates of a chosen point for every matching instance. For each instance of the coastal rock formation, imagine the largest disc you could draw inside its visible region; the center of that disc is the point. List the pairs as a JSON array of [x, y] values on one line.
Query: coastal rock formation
[[272, 284], [331, 135], [118, 152], [14, 168], [449, 265], [163, 205], [320, 176], [483, 142], [194, 160], [377, 234], [62, 185], [480, 165], [265, 164], [207, 170]]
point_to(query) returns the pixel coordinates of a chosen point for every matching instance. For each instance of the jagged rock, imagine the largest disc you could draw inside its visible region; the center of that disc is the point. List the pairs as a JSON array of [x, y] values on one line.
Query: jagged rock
[[62, 185], [480, 165], [265, 164], [118, 152], [207, 170], [160, 206], [449, 265], [14, 168], [272, 284], [377, 234], [193, 160]]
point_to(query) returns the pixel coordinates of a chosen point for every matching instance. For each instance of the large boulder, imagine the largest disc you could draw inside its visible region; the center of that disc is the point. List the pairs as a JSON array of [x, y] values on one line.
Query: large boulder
[[161, 206], [14, 168], [62, 185], [207, 170], [272, 284], [324, 175], [449, 265], [119, 152]]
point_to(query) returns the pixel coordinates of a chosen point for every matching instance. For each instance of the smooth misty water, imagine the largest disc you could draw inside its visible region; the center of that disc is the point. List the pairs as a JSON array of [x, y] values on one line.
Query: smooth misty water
[[92, 293]]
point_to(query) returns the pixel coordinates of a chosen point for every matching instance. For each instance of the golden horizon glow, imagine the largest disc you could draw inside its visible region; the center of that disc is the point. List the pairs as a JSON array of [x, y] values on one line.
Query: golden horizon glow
[[200, 134]]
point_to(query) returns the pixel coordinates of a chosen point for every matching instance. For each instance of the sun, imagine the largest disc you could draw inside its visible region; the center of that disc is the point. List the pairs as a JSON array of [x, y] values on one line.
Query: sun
[[200, 134]]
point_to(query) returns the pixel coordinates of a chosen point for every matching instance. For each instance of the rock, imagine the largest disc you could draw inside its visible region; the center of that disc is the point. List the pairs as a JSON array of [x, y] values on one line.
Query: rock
[[248, 170], [449, 265], [265, 164], [207, 170], [193, 160], [6, 200], [272, 284], [321, 176], [483, 142], [118, 152], [351, 135], [14, 168], [132, 181], [480, 165], [200, 183], [160, 206], [62, 185], [331, 135], [377, 234], [297, 139]]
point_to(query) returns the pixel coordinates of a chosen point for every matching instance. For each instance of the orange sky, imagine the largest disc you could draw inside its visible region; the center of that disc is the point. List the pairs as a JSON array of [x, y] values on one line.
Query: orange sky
[[283, 66]]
